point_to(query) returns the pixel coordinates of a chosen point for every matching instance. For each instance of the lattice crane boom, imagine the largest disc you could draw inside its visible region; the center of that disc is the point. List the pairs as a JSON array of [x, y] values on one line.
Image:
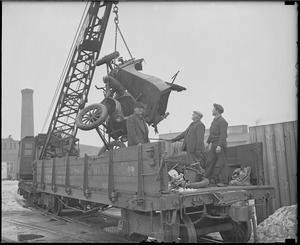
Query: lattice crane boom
[[61, 135]]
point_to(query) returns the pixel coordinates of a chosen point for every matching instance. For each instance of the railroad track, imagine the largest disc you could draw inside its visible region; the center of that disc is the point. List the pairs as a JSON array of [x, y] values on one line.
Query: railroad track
[[87, 220], [59, 218], [208, 239], [37, 227], [90, 221]]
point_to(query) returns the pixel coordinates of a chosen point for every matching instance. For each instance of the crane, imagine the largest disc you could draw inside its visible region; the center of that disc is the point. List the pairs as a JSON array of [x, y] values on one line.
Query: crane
[[61, 138]]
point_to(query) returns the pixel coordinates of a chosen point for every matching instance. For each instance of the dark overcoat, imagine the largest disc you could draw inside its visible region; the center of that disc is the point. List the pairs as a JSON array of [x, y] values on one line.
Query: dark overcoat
[[193, 137], [137, 130]]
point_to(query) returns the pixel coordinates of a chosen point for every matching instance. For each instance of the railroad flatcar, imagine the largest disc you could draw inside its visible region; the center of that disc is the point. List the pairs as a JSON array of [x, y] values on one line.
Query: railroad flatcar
[[135, 179]]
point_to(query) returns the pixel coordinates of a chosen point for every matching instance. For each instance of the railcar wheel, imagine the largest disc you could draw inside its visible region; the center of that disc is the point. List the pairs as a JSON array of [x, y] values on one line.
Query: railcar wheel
[[91, 116], [25, 195], [187, 232], [112, 145], [240, 233], [58, 206]]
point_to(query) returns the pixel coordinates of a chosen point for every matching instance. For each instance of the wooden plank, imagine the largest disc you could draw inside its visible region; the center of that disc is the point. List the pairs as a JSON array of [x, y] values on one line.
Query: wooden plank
[[173, 149], [231, 152], [38, 173], [291, 159], [169, 148], [48, 172], [284, 188], [60, 179], [140, 177], [121, 168], [67, 176], [77, 162], [120, 155], [131, 153], [232, 161], [48, 163], [98, 182], [53, 175], [271, 162], [125, 169], [99, 159], [252, 134], [76, 170], [251, 155], [76, 180], [147, 168], [98, 169], [246, 158], [61, 170], [259, 132], [260, 137], [295, 123], [48, 179], [259, 162], [123, 183], [152, 183], [60, 162], [126, 179], [85, 181]]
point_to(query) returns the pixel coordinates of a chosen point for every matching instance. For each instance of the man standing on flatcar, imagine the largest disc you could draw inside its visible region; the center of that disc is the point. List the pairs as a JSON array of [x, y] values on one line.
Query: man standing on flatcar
[[217, 146], [137, 129], [193, 139]]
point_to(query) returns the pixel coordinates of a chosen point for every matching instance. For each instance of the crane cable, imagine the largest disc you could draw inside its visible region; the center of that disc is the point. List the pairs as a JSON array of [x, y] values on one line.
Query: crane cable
[[64, 70], [115, 10]]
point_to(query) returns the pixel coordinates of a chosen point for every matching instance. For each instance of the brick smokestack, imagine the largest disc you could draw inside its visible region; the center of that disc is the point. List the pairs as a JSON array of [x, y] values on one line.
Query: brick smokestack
[[27, 127]]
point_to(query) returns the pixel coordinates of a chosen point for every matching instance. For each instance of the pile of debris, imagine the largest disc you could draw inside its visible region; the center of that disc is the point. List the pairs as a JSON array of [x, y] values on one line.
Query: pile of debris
[[281, 225]]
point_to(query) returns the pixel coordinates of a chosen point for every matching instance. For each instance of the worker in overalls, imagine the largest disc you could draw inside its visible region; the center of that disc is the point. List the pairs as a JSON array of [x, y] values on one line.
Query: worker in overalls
[[217, 147]]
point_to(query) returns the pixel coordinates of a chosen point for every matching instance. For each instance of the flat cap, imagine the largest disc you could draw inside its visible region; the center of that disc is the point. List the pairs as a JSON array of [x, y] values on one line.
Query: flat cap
[[199, 113], [139, 104], [219, 108]]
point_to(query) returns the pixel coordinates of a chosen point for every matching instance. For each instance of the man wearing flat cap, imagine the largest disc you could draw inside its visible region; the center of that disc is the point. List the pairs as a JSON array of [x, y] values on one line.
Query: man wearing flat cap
[[137, 129], [218, 146], [193, 139]]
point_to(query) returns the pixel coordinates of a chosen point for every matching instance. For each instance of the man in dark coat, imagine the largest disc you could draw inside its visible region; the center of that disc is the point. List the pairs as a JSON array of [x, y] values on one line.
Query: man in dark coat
[[137, 129], [218, 146], [193, 139]]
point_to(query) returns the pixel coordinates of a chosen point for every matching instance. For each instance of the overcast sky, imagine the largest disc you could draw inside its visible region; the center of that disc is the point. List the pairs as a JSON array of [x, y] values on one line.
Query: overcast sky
[[241, 55]]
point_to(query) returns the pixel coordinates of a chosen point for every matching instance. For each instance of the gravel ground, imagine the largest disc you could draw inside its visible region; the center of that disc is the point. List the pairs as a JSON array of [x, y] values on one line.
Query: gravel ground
[[10, 196], [281, 225], [25, 225]]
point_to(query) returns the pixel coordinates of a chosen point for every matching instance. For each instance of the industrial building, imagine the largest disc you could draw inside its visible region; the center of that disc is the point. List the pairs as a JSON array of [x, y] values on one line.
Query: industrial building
[[9, 156]]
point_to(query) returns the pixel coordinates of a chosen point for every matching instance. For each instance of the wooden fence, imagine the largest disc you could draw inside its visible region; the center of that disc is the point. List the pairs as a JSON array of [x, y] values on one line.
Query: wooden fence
[[279, 159]]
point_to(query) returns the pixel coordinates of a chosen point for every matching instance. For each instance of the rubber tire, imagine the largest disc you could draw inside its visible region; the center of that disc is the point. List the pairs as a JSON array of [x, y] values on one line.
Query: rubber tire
[[107, 58], [112, 145], [240, 233], [91, 109]]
